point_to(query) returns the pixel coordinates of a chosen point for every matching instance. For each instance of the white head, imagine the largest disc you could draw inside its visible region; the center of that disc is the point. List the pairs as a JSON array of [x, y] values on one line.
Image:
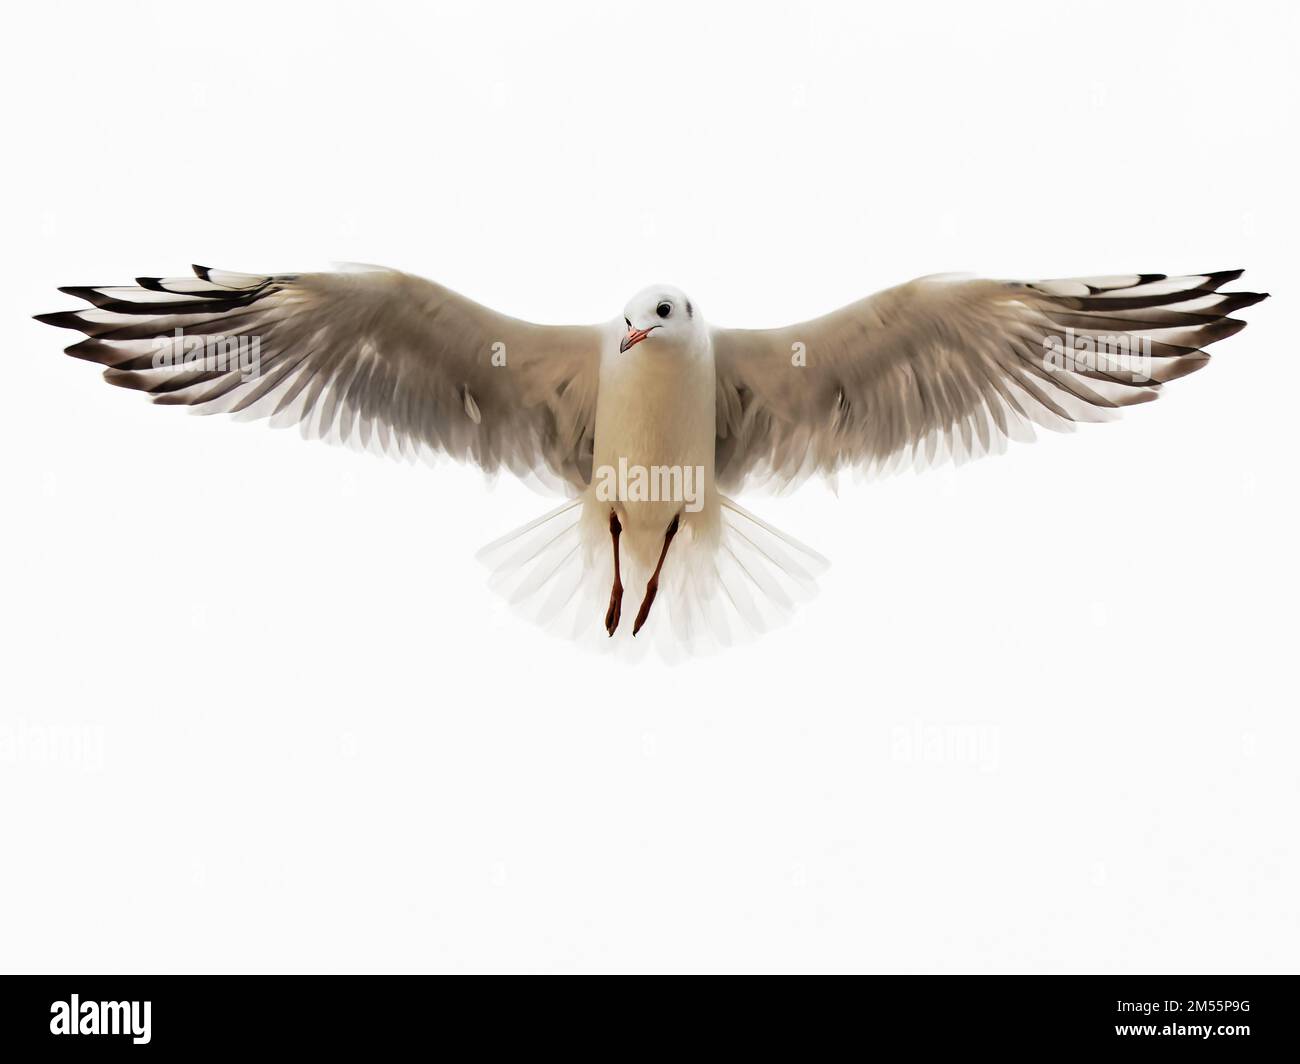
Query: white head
[[663, 316]]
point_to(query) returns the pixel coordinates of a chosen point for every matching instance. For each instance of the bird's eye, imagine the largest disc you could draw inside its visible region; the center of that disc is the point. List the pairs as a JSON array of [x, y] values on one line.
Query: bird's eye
[[629, 323], [664, 309]]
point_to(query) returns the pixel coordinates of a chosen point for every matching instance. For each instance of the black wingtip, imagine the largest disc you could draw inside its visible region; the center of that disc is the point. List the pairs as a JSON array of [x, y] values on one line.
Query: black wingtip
[[201, 272], [1233, 301], [90, 350], [1215, 278], [86, 292], [61, 319], [1225, 328]]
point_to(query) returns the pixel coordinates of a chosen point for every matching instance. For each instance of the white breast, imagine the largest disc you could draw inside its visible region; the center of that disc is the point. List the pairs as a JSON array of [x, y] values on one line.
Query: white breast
[[656, 411]]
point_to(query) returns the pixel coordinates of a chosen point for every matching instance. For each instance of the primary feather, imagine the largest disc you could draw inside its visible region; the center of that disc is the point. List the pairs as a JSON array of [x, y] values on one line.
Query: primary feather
[[940, 367], [371, 355]]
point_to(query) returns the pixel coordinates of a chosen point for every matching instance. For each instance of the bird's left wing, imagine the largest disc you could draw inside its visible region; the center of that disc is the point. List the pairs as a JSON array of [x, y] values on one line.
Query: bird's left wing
[[941, 367], [374, 357]]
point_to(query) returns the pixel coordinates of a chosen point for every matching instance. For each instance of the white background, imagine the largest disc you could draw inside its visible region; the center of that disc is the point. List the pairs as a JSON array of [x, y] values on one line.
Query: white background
[[260, 711]]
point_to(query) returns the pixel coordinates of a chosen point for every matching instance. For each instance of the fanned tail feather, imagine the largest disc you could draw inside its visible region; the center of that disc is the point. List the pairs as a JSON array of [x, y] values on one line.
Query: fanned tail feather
[[715, 590]]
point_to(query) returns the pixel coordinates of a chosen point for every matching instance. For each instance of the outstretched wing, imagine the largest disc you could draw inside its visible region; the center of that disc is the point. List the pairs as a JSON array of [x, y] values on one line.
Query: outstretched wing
[[374, 357], [940, 367]]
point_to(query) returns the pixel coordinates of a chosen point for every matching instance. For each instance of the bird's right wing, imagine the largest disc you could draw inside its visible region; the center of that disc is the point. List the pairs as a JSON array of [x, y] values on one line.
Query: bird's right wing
[[374, 357], [941, 367]]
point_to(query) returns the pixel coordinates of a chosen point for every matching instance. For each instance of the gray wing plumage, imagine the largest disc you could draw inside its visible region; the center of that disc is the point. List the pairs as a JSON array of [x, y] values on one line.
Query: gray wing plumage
[[941, 368], [374, 357]]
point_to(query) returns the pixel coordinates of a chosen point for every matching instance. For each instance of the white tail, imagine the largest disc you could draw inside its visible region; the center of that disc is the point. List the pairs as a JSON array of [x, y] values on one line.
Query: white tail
[[714, 591]]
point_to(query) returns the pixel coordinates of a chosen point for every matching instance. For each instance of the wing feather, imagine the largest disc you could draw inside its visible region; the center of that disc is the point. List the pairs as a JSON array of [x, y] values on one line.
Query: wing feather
[[942, 368], [373, 355]]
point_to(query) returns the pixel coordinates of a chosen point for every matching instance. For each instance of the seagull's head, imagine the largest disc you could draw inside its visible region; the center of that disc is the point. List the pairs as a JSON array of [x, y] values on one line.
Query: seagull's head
[[664, 316]]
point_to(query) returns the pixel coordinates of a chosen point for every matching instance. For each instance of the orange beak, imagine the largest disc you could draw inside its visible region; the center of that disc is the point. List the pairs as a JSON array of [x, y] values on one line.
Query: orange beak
[[634, 337]]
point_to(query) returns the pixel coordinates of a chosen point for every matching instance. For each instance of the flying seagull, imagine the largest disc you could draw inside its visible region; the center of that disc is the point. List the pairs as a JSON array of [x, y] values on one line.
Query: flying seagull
[[647, 420]]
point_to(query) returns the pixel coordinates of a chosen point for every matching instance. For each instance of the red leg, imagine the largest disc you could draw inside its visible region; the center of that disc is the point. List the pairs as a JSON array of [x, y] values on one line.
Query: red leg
[[652, 588], [615, 610]]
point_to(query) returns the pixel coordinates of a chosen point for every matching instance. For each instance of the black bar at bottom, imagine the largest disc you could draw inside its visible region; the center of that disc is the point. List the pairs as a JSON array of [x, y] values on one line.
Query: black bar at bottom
[[374, 1014]]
